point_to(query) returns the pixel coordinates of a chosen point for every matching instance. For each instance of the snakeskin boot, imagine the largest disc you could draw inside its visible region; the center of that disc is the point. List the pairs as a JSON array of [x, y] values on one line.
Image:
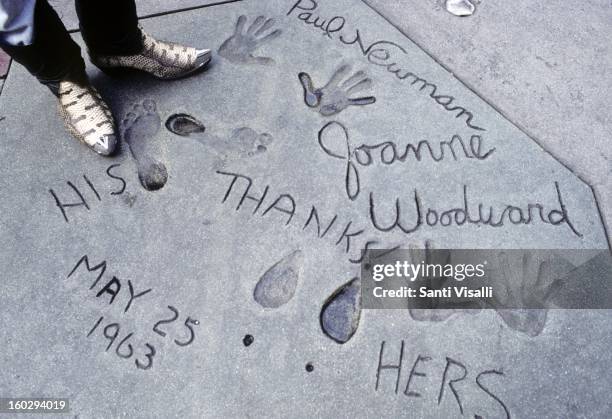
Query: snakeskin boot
[[87, 116], [164, 60]]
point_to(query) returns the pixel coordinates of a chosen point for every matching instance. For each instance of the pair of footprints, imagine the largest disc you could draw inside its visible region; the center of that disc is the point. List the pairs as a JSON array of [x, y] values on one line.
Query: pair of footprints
[[328, 100], [532, 284], [340, 314], [143, 122]]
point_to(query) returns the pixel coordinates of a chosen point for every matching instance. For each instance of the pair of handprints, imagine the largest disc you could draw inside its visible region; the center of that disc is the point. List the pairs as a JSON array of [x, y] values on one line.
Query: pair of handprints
[[523, 281], [331, 99], [524, 285]]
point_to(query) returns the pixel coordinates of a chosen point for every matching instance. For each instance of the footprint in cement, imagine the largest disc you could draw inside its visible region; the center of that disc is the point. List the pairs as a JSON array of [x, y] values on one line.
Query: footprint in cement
[[341, 312], [140, 125], [277, 286], [242, 142]]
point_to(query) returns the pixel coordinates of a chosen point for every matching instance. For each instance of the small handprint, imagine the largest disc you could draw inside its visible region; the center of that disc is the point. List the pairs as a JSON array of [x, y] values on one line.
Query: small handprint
[[334, 97], [526, 284], [431, 309], [241, 46]]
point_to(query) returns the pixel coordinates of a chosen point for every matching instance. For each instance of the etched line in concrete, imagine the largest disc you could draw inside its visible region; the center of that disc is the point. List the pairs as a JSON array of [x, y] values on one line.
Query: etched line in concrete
[[70, 24], [471, 88]]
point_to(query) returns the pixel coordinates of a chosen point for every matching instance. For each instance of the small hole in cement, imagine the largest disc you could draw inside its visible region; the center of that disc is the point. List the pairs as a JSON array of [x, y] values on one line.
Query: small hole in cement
[[248, 340], [309, 367]]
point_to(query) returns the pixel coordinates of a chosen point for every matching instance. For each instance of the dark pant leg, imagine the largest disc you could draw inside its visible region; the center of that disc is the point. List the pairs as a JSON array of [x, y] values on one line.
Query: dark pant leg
[[110, 27], [53, 55]]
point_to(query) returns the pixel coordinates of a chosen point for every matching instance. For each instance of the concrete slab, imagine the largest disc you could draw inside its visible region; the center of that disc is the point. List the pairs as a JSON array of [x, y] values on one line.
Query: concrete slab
[[5, 62], [207, 297], [543, 64], [65, 8]]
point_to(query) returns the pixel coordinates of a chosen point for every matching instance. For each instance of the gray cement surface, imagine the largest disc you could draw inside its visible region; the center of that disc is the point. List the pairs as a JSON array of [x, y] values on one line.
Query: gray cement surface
[[219, 294], [5, 63], [545, 65], [66, 11]]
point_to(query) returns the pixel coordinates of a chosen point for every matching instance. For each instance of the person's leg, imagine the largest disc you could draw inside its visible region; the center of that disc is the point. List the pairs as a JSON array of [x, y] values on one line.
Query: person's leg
[[110, 27], [52, 56], [55, 59], [17, 22], [115, 41]]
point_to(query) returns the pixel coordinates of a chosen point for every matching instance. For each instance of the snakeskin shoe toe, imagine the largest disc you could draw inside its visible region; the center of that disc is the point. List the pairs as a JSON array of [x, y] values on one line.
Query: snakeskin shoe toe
[[164, 60], [87, 116]]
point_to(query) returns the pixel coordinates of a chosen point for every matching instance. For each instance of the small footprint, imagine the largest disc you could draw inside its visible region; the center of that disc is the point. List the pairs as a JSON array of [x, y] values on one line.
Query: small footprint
[[341, 312], [140, 125], [277, 286], [242, 142]]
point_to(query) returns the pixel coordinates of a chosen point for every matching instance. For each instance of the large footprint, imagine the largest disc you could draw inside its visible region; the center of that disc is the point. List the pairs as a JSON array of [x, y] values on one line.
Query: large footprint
[[140, 125]]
